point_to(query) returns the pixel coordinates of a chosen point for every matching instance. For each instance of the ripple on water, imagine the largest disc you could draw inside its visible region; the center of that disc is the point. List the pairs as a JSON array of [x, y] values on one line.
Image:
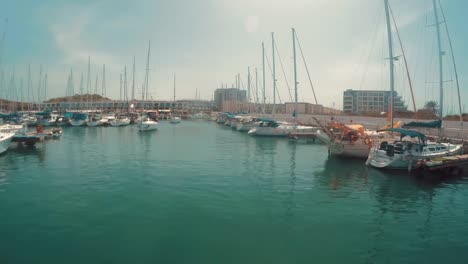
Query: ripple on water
[[199, 192]]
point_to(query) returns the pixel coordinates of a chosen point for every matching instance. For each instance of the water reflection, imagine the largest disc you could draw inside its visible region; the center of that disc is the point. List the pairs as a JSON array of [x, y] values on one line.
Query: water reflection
[[339, 172], [292, 181]]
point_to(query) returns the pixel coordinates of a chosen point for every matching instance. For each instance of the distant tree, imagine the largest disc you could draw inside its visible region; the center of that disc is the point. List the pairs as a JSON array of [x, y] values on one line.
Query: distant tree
[[433, 106]]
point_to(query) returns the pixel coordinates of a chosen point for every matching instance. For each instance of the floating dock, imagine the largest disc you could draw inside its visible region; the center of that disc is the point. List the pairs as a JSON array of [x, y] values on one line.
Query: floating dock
[[444, 166], [306, 137], [31, 138]]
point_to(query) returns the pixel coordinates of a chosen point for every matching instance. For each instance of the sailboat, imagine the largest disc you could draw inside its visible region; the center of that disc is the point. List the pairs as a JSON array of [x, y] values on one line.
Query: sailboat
[[122, 119], [146, 123], [174, 119], [271, 127], [412, 146], [80, 119], [352, 140], [96, 118]]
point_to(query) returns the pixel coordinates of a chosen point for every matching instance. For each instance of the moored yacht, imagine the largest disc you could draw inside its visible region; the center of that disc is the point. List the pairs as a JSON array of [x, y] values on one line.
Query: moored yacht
[[120, 120], [147, 124], [79, 119], [5, 140], [175, 120], [405, 152]]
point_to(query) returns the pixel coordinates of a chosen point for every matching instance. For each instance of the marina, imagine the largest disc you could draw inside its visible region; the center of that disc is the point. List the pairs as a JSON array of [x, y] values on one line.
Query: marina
[[233, 132], [293, 197]]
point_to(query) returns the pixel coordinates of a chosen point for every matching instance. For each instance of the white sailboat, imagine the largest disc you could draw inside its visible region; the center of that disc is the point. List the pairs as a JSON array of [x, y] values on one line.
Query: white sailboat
[[353, 141], [404, 153], [174, 118], [95, 119], [146, 123]]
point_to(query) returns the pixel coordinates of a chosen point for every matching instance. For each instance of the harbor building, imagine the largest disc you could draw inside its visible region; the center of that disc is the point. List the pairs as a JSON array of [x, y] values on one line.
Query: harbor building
[[229, 94], [179, 106], [358, 101]]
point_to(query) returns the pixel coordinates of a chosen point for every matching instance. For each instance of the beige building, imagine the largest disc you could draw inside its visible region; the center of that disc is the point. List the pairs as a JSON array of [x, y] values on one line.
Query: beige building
[[304, 108]]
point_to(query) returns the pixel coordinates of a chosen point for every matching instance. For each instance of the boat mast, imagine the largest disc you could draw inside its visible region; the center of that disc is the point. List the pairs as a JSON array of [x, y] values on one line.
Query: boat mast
[[103, 88], [81, 91], [248, 87], [454, 67], [147, 72], [263, 66], [439, 44], [256, 89], [295, 75], [174, 86], [88, 81], [274, 72], [390, 53], [133, 80]]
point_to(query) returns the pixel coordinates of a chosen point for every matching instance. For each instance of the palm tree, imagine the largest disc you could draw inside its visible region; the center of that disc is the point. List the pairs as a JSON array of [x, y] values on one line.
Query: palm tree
[[432, 105]]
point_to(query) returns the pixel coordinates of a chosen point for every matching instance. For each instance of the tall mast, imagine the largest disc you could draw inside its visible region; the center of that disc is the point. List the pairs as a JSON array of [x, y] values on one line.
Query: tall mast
[[120, 94], [96, 86], [147, 72], [174, 86], [274, 71], [441, 72], [263, 66], [133, 80], [390, 54], [125, 84], [39, 88], [88, 81], [30, 95], [256, 88], [248, 87], [295, 75], [81, 91], [45, 87], [103, 80], [72, 85], [454, 67]]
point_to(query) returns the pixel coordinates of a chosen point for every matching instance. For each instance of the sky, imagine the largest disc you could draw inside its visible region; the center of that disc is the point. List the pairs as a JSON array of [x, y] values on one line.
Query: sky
[[206, 43]]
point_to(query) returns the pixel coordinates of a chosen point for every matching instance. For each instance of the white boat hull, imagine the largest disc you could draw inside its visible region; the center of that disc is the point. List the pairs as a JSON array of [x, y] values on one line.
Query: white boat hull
[[380, 159], [147, 126], [175, 120], [245, 127], [95, 123], [78, 123], [120, 122], [5, 140]]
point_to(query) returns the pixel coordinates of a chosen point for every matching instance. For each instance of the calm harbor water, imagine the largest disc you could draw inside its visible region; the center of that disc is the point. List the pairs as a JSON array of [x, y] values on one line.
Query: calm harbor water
[[198, 192]]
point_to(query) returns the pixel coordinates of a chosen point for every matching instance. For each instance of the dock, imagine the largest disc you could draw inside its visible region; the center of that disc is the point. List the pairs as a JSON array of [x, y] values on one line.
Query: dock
[[30, 139], [306, 137], [444, 166]]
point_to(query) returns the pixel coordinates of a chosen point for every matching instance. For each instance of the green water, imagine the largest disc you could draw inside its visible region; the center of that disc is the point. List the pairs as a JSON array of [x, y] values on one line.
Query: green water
[[198, 192]]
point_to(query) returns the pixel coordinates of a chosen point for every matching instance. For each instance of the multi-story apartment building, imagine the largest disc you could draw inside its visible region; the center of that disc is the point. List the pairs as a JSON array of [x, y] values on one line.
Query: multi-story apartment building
[[357, 101]]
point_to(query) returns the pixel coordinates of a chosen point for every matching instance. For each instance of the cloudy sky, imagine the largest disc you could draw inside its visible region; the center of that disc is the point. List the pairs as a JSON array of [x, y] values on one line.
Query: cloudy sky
[[207, 42]]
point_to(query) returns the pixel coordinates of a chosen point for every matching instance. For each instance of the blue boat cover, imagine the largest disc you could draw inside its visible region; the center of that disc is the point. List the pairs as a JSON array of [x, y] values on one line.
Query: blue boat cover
[[406, 132], [432, 124]]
